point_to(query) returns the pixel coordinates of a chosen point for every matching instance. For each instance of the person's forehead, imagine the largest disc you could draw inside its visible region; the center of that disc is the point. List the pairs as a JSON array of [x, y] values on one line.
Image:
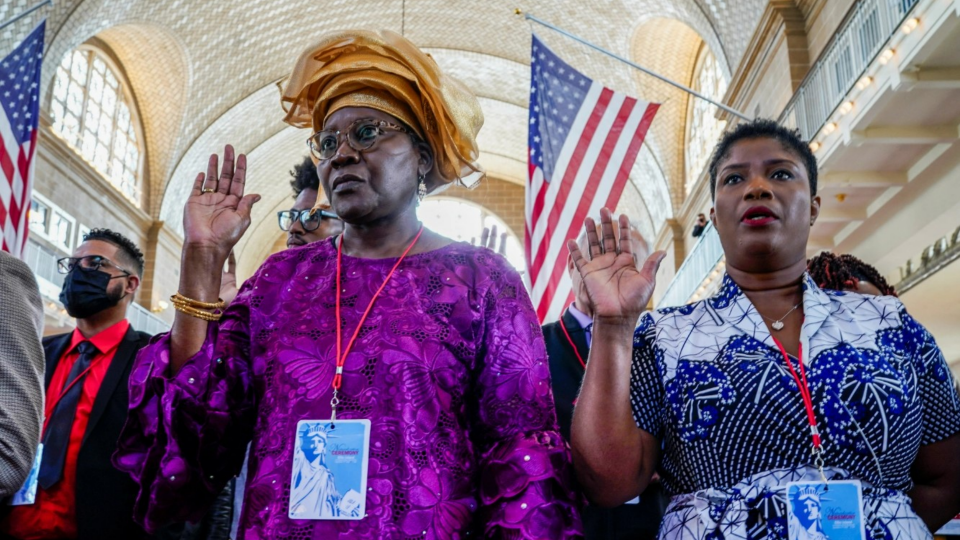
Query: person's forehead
[[305, 200], [342, 118], [96, 247], [757, 150]]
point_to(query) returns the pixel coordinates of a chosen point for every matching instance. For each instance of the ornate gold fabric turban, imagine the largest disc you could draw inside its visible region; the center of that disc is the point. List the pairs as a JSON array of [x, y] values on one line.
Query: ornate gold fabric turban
[[384, 71]]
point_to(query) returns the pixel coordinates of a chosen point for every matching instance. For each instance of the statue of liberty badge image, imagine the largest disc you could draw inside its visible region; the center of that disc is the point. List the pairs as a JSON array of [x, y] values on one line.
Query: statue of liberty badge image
[[329, 479], [825, 511]]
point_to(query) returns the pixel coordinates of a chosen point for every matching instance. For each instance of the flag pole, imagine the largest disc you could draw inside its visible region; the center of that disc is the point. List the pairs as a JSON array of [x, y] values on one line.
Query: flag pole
[[16, 18], [675, 84]]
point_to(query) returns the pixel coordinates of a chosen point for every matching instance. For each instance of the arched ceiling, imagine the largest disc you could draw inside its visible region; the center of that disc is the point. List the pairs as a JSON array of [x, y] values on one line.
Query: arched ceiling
[[207, 71], [670, 48]]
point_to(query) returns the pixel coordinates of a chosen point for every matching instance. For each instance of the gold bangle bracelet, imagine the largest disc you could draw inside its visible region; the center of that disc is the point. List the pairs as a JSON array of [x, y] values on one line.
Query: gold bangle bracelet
[[181, 299], [196, 313]]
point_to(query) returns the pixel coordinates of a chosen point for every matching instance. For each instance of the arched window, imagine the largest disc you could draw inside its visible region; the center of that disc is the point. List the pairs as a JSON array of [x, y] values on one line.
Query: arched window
[[464, 221], [703, 128], [93, 111]]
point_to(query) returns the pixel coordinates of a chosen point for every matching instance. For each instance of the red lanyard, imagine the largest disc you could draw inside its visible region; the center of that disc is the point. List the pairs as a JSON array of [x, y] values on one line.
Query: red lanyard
[[67, 389], [572, 346], [801, 380], [342, 353]]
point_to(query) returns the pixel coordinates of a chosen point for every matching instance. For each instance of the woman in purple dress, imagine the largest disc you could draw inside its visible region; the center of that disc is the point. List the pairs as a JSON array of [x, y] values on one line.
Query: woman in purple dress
[[435, 343]]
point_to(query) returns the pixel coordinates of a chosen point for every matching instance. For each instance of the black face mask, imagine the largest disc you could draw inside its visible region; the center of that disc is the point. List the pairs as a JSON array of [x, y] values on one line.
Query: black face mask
[[85, 294]]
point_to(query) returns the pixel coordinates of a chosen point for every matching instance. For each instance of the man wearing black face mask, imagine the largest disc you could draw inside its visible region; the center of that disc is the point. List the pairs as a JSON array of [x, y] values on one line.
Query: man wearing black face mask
[[79, 494]]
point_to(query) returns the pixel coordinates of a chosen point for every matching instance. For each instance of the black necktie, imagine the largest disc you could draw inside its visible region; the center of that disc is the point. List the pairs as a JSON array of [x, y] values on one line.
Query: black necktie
[[57, 437]]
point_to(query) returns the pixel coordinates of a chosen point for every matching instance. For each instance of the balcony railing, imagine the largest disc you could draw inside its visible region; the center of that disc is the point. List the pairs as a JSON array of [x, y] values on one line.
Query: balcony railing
[[43, 262], [700, 262], [843, 63]]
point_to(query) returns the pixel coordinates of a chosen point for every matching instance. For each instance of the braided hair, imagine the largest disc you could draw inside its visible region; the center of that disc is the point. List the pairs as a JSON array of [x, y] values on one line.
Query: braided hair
[[845, 272]]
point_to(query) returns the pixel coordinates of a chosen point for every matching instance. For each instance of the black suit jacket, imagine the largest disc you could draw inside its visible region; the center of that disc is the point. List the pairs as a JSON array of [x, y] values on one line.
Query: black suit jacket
[[105, 496], [633, 521]]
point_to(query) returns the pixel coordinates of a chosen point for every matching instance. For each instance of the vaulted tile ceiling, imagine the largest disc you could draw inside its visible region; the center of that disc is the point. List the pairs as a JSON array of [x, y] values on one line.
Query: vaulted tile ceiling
[[204, 74]]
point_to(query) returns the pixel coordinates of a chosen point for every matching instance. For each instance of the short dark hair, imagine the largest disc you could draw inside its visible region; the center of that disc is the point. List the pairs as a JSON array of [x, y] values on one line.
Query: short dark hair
[[839, 272], [764, 128], [130, 254], [304, 176]]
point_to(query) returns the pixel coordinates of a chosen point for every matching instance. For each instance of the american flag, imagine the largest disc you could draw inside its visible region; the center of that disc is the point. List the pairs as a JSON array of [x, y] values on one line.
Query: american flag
[[583, 141], [20, 102]]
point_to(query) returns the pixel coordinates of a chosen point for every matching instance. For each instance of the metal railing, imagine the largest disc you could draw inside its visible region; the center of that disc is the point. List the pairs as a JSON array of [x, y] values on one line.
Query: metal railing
[[701, 260], [43, 262], [853, 48], [141, 319]]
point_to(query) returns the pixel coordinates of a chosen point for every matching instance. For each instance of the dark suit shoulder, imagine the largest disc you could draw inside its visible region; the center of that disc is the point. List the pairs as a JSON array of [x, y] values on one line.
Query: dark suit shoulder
[[551, 328], [55, 339]]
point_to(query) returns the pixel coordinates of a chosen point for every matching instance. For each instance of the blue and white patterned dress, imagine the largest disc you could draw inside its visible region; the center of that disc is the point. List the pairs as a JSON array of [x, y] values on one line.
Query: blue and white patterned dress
[[711, 384]]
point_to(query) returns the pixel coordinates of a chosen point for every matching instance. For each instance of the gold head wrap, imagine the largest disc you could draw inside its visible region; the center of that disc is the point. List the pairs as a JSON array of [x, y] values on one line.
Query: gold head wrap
[[384, 71]]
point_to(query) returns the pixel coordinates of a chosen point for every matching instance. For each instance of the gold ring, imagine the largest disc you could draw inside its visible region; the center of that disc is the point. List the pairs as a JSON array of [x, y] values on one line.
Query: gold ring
[[207, 190]]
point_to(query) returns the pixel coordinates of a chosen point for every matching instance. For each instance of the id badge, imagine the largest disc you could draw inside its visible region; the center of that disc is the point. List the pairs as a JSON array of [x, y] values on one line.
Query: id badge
[[329, 479], [28, 493], [831, 511]]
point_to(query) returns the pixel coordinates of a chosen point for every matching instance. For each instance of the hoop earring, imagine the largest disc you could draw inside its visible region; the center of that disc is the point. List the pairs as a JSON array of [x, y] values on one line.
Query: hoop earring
[[421, 188]]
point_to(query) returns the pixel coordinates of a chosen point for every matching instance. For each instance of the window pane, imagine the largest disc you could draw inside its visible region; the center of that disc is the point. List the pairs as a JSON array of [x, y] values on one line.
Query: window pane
[[75, 98], [131, 159], [703, 128], [65, 63], [71, 128], [95, 90], [89, 144], [92, 119], [106, 129], [38, 216], [111, 79], [120, 145], [60, 86], [123, 117], [101, 157], [81, 232], [79, 67], [60, 229], [97, 118], [130, 185], [56, 109], [116, 170], [109, 102]]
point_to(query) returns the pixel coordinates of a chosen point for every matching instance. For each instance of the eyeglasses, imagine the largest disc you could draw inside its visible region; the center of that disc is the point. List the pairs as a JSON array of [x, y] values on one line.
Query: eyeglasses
[[89, 263], [309, 218], [361, 135]]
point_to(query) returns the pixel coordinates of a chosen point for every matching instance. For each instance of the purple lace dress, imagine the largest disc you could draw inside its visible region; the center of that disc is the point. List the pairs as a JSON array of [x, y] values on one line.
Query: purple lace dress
[[450, 368]]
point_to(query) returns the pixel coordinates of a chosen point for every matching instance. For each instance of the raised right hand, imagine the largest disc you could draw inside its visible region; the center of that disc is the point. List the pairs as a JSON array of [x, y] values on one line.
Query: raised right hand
[[217, 212], [617, 289], [488, 239]]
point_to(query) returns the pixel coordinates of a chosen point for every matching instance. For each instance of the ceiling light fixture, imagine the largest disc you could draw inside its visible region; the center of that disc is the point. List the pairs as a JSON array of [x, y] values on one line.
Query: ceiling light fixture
[[885, 57]]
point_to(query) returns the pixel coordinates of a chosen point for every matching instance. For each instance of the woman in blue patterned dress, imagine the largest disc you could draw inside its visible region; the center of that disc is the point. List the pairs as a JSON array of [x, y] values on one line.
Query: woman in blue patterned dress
[[720, 389]]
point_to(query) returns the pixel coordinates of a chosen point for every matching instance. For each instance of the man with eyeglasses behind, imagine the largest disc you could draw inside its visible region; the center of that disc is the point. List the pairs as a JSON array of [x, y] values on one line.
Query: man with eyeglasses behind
[[302, 226], [79, 494]]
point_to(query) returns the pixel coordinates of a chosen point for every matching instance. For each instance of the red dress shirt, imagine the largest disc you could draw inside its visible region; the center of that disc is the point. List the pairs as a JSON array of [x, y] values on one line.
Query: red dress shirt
[[53, 515]]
